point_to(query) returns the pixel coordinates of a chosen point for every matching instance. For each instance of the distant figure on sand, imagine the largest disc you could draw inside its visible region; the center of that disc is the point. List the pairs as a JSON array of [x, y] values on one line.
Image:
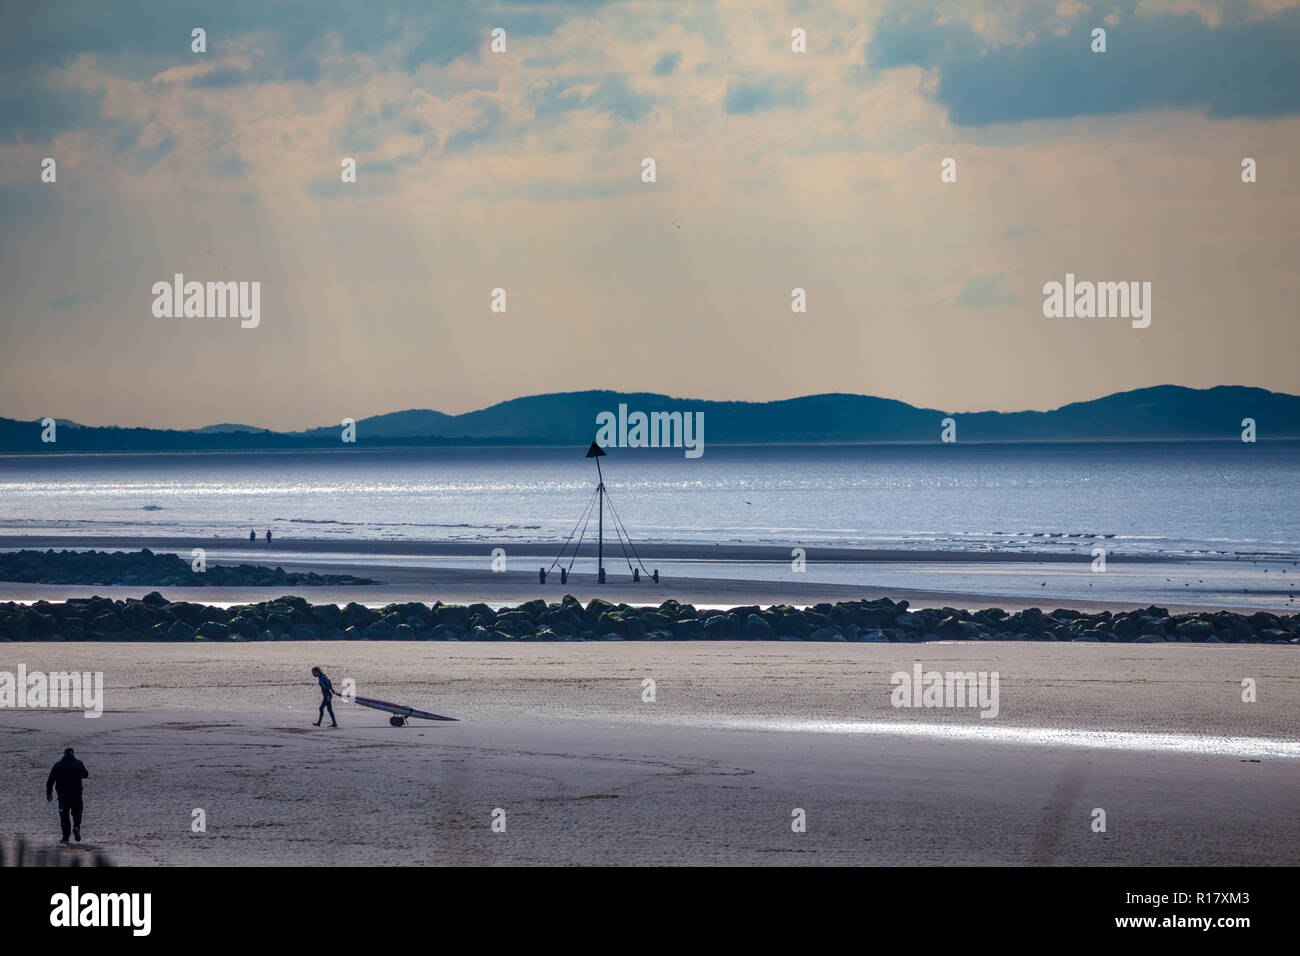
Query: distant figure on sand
[[252, 536], [268, 535], [66, 777], [326, 692]]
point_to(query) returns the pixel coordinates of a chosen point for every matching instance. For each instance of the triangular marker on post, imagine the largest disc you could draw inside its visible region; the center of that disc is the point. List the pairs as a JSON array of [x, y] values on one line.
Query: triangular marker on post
[[596, 452]]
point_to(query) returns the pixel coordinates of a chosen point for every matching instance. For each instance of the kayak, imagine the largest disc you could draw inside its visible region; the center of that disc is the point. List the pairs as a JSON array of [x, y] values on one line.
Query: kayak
[[400, 712]]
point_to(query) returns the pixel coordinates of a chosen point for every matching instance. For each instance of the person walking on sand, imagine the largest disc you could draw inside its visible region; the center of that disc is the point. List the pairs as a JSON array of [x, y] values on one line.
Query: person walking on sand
[[326, 692], [66, 777], [252, 536], [268, 535]]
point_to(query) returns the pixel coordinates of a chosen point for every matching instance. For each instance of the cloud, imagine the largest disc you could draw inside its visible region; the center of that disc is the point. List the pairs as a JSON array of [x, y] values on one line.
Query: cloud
[[667, 63], [38, 110], [612, 95], [479, 170], [150, 35], [615, 96], [487, 122], [1157, 60], [770, 92]]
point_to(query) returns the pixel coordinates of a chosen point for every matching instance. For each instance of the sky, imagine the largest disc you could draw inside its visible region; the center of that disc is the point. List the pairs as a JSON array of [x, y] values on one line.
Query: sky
[[522, 170]]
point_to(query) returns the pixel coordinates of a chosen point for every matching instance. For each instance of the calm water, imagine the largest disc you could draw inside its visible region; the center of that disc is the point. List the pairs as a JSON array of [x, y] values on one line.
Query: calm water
[[1205, 497]]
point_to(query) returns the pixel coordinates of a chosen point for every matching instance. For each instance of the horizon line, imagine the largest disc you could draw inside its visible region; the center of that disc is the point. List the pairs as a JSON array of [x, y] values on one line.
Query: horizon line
[[257, 429]]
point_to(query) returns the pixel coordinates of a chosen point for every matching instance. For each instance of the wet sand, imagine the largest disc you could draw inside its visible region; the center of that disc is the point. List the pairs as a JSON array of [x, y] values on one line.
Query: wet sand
[[684, 551], [420, 571], [586, 771]]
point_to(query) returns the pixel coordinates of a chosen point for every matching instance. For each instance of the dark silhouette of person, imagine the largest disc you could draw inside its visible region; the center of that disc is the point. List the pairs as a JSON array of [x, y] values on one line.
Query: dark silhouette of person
[[66, 777], [268, 535], [326, 692], [252, 536]]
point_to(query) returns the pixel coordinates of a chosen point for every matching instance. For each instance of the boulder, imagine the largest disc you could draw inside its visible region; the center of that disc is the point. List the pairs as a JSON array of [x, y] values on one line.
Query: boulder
[[358, 615], [952, 629], [103, 624], [328, 616], [1195, 629], [792, 623], [718, 627], [452, 615], [657, 621]]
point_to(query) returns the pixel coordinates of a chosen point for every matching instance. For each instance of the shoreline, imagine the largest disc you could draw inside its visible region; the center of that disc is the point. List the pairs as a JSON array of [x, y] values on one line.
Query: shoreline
[[677, 551], [704, 575]]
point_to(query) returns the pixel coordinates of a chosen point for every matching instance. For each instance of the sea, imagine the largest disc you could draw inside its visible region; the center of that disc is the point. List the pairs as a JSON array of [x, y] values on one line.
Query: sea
[[1221, 500], [1190, 498]]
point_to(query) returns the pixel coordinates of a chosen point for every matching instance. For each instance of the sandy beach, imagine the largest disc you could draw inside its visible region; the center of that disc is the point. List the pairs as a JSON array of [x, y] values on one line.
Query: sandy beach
[[738, 737], [562, 742], [667, 434]]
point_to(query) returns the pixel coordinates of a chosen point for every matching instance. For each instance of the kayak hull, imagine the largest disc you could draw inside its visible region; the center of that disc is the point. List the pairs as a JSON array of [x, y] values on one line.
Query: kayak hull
[[401, 710]]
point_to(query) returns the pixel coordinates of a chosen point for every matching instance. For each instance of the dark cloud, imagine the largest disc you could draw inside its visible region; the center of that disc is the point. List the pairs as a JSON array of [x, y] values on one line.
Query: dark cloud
[[297, 42], [769, 92], [667, 63], [36, 111], [1238, 68], [613, 95], [157, 33], [145, 159], [221, 79], [489, 120], [227, 165]]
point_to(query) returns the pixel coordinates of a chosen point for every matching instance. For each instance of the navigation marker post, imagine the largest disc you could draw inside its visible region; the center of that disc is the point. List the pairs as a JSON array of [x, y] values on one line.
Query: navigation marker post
[[596, 452], [620, 531]]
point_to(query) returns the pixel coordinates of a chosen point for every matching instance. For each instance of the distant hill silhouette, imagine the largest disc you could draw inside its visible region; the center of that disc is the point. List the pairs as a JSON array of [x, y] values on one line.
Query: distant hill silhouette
[[1160, 413], [229, 427], [416, 423]]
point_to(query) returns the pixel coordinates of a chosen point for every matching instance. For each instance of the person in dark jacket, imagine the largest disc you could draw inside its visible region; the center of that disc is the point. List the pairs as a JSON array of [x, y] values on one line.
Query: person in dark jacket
[[326, 692], [66, 777]]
